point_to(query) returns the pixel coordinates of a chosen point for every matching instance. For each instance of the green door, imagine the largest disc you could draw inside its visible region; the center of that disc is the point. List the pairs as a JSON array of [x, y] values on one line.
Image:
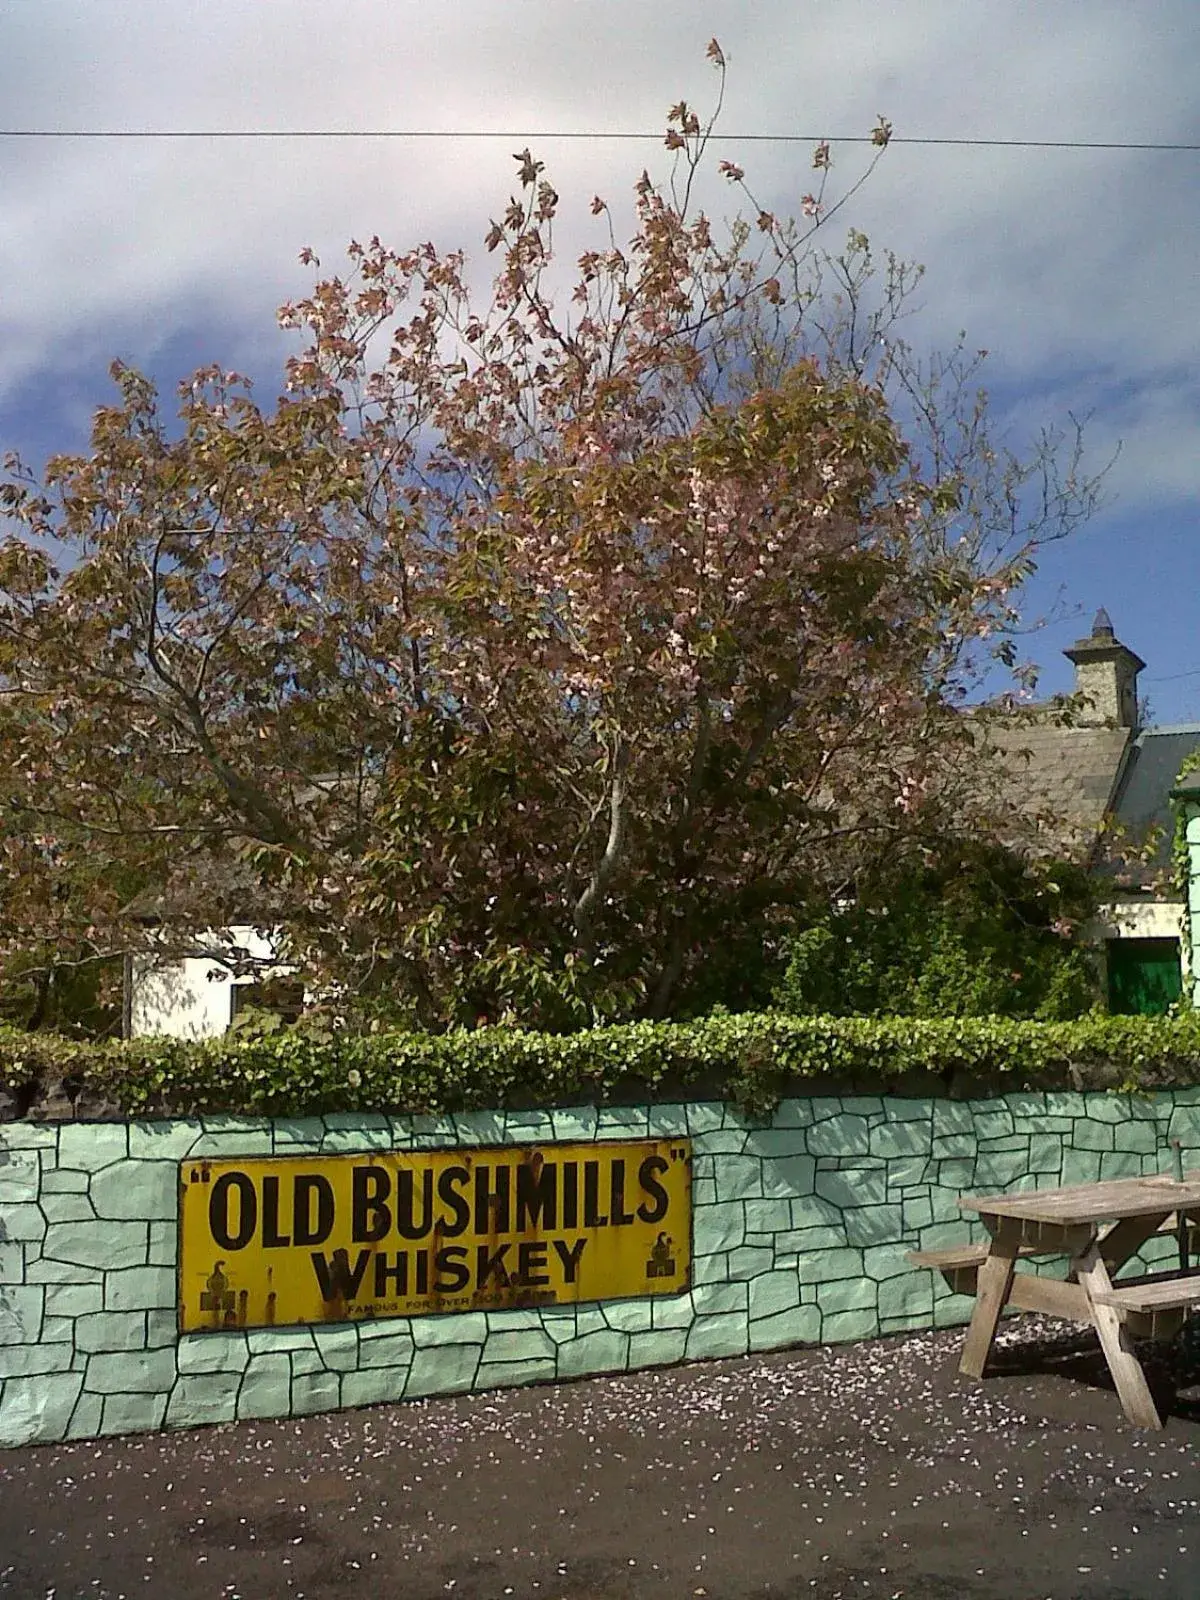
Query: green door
[[1143, 976]]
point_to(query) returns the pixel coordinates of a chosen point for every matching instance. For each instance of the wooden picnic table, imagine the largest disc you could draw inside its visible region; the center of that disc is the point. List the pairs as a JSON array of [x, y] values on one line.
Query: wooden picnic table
[[1098, 1227]]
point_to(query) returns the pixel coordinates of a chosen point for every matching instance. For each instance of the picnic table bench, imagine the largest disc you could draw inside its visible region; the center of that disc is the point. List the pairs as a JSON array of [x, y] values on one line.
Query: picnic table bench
[[1099, 1227]]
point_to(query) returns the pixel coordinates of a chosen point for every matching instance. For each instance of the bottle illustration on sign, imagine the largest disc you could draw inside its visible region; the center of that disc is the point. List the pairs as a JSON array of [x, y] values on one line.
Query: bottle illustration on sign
[[661, 1263], [219, 1298]]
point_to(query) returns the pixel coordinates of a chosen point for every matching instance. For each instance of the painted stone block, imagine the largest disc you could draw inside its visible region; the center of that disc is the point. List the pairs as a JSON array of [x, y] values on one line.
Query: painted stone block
[[30, 1360], [291, 1135], [87, 1417], [23, 1223], [598, 1352], [847, 1294], [337, 1348], [67, 1208], [917, 1213], [719, 1227], [705, 1117], [102, 1331], [799, 1325], [20, 1177], [870, 1225], [203, 1397], [749, 1262], [773, 1292], [853, 1186], [660, 1348], [73, 1299], [576, 1125], [163, 1141], [62, 1182], [38, 1410], [108, 1245], [350, 1140], [1137, 1135], [164, 1244], [716, 1297], [92, 1146], [675, 1313], [886, 1260], [22, 1307], [840, 1135], [511, 1374], [725, 1334], [827, 1265], [910, 1295], [393, 1351], [469, 1328], [891, 1139], [12, 1262], [439, 1369], [739, 1178], [377, 1387], [162, 1328], [139, 1289], [519, 1346], [784, 1177], [314, 1391], [133, 1413], [204, 1354], [132, 1372], [135, 1189], [844, 1327], [627, 1316], [266, 1387]]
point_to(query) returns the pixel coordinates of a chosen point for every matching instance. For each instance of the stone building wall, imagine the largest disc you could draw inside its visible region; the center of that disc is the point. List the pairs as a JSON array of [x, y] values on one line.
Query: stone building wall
[[800, 1229]]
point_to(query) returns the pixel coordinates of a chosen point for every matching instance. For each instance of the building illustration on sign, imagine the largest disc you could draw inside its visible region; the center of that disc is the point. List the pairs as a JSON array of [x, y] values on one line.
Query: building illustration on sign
[[302, 1239]]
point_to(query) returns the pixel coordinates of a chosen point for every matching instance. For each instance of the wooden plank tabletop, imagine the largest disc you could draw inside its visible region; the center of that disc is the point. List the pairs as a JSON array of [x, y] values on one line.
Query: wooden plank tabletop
[[1083, 1203]]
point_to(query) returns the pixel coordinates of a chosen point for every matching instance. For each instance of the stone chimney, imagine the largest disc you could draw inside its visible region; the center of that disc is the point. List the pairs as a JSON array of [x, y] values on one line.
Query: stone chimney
[[1106, 674]]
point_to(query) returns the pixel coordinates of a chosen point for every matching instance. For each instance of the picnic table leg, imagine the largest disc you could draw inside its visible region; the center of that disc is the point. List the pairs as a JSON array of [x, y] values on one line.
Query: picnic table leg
[[992, 1289], [1130, 1381]]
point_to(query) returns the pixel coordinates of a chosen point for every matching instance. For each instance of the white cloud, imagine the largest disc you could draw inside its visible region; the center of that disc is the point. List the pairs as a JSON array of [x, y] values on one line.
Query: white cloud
[[1074, 268]]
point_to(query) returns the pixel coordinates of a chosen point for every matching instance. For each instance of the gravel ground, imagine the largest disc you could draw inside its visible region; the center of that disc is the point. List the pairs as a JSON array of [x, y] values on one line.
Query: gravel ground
[[869, 1470]]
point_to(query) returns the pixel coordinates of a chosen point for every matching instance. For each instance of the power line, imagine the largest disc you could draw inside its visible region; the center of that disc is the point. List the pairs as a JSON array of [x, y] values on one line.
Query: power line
[[561, 133]]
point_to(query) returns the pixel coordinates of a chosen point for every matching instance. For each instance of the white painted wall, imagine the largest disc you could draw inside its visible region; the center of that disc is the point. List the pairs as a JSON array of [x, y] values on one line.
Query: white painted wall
[[192, 998]]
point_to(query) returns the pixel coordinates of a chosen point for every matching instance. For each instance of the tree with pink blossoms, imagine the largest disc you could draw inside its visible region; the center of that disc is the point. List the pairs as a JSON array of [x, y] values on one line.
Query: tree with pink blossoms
[[531, 660]]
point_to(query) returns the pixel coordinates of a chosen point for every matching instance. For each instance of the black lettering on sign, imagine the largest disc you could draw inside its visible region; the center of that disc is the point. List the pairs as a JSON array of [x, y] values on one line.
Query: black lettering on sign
[[396, 1269], [491, 1199], [371, 1218], [219, 1224], [307, 1228], [337, 1279], [531, 1262], [537, 1194], [450, 1181], [489, 1262], [569, 1258], [272, 1238], [453, 1273], [406, 1223], [617, 1204], [570, 1194], [654, 1208], [592, 1215]]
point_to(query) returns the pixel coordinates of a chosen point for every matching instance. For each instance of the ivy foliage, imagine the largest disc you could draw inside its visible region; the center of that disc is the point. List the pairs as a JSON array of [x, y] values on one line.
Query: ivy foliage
[[752, 1059], [976, 932]]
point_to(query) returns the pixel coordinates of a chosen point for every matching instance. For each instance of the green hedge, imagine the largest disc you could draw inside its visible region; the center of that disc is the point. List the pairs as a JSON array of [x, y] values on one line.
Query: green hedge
[[752, 1059]]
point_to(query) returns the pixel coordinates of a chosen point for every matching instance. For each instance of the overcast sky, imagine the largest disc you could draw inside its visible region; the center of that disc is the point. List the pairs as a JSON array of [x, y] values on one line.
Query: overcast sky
[[1076, 269]]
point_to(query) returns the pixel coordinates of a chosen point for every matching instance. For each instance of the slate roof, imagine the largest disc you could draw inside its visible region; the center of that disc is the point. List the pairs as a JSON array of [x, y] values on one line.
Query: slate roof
[[1147, 785], [1070, 773]]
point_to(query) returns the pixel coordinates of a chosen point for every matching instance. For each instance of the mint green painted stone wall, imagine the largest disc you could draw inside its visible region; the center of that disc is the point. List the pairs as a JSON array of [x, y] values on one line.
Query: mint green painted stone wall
[[800, 1233], [1192, 825]]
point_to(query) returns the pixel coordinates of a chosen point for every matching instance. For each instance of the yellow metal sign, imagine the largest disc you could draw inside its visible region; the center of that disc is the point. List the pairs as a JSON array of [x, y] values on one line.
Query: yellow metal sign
[[293, 1239]]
